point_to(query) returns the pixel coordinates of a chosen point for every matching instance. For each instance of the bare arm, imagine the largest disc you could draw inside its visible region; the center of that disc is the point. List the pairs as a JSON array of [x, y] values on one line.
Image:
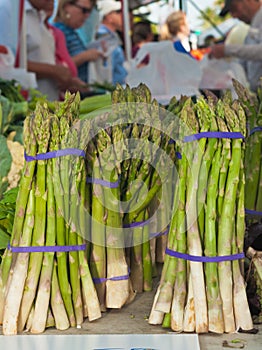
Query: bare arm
[[51, 71]]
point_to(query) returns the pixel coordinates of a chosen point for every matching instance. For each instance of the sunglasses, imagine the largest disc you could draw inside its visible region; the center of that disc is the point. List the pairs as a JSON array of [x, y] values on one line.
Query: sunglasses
[[85, 10]]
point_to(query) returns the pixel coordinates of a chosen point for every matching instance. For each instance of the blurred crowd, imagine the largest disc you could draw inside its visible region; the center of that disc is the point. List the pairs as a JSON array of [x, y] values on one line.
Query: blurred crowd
[[78, 42]]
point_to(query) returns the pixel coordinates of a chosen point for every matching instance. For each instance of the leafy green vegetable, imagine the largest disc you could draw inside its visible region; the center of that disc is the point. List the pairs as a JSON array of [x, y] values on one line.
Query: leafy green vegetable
[[9, 198], [7, 213], [12, 114], [5, 162], [4, 239], [11, 89]]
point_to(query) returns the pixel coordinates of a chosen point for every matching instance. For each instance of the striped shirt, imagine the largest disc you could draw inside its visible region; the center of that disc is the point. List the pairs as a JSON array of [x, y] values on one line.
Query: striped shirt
[[75, 46]]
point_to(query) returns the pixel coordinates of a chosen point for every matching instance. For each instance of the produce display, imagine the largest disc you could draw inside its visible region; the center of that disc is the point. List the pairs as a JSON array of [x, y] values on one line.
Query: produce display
[[13, 109], [252, 103], [50, 250], [7, 213], [107, 193], [202, 288], [39, 221]]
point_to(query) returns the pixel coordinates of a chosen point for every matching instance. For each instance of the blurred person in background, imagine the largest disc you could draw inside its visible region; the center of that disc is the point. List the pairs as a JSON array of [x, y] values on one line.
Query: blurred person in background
[[88, 30], [141, 33], [63, 57], [178, 28], [112, 22], [250, 52], [71, 15], [52, 77]]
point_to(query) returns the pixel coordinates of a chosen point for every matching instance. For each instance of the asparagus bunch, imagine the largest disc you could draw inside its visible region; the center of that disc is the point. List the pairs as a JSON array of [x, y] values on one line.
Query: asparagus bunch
[[126, 156], [50, 285], [56, 286], [252, 103], [208, 221], [144, 175]]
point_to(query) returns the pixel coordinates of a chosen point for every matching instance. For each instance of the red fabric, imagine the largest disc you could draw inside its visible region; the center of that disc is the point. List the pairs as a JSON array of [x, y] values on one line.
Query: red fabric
[[20, 19], [62, 54], [3, 49], [134, 52]]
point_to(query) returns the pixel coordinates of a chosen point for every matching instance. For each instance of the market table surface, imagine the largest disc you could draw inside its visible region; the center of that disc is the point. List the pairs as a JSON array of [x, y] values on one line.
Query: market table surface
[[132, 319]]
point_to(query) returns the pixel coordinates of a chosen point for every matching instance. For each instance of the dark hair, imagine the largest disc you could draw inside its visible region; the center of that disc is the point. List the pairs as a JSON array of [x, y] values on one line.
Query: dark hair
[[141, 31]]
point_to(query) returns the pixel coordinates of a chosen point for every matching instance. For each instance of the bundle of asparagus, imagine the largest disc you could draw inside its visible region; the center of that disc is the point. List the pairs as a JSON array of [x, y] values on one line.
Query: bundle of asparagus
[[202, 287], [123, 161], [45, 277], [79, 208], [252, 103]]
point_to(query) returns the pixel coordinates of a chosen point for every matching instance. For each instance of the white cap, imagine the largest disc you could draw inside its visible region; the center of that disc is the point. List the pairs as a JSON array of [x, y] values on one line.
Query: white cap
[[107, 6]]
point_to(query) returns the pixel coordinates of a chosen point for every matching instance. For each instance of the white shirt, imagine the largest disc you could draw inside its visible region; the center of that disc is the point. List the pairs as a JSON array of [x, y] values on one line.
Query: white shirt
[[40, 45], [250, 53]]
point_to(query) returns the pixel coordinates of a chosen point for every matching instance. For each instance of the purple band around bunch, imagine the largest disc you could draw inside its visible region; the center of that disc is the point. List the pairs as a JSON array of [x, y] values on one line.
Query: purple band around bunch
[[116, 278], [144, 223], [91, 180], [178, 155], [47, 249], [56, 154], [206, 259], [257, 128], [159, 234], [214, 134], [138, 224], [253, 212]]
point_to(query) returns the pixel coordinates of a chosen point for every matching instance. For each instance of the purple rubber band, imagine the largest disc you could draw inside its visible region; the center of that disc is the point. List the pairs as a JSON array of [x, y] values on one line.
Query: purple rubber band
[[178, 155], [47, 249], [214, 134], [116, 278], [253, 212], [138, 224], [257, 128], [144, 223], [159, 234], [204, 258], [56, 154], [101, 182]]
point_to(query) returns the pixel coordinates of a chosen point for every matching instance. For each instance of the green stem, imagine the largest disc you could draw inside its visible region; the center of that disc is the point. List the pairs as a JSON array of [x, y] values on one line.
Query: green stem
[[147, 260], [44, 290], [215, 315], [41, 129]]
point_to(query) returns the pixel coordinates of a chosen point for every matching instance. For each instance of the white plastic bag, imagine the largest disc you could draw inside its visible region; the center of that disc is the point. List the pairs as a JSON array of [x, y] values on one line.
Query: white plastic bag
[[9, 72], [100, 71], [7, 59], [106, 43], [217, 74], [168, 73]]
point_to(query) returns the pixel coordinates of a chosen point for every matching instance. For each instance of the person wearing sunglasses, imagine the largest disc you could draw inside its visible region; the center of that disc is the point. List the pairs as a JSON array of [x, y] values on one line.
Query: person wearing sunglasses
[[71, 15]]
